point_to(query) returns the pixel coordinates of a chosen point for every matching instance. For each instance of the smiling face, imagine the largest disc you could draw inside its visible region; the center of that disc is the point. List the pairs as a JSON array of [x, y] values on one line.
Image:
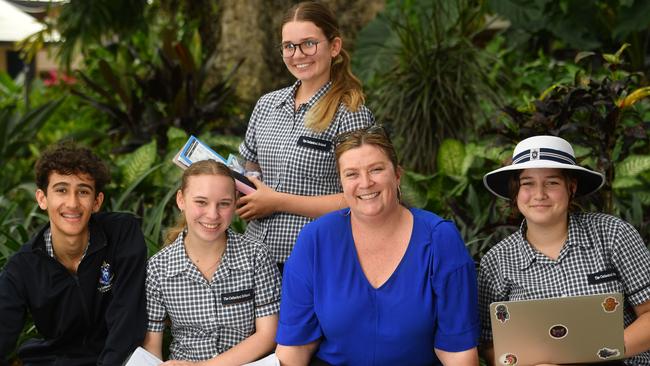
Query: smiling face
[[69, 200], [313, 69], [208, 202], [544, 195], [369, 181]]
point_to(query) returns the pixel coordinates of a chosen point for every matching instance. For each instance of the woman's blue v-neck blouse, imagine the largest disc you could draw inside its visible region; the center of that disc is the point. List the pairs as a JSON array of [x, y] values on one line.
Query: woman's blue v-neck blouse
[[430, 301]]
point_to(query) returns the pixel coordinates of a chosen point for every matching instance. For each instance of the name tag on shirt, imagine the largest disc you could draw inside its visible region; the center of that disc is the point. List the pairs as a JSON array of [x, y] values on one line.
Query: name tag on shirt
[[237, 297], [314, 143], [602, 277]]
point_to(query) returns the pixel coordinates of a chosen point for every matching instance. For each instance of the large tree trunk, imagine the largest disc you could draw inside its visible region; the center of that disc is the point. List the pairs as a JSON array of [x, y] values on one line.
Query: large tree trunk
[[250, 29]]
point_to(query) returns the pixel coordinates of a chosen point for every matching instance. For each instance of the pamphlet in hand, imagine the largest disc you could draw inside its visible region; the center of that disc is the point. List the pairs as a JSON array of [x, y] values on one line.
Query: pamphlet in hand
[[270, 360], [142, 358], [195, 150]]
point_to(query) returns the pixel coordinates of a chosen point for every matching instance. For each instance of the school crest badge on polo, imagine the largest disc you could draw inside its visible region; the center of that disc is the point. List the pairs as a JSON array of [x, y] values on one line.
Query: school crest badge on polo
[[105, 278]]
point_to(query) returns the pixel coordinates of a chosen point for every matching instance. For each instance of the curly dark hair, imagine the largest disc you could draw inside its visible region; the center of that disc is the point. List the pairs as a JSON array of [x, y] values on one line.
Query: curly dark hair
[[68, 158]]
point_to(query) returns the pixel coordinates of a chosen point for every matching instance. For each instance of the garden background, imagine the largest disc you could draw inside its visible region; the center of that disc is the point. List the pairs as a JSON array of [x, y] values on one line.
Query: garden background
[[456, 82]]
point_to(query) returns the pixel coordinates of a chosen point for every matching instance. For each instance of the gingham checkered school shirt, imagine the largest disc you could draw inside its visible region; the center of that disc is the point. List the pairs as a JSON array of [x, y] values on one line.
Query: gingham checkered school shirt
[[49, 248], [208, 318], [294, 159], [602, 254]]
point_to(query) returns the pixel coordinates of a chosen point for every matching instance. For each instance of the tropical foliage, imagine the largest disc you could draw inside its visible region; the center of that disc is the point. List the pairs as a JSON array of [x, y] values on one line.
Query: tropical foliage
[[425, 76]]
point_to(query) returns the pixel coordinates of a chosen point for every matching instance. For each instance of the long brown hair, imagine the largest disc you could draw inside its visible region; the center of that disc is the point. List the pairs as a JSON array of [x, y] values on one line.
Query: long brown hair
[[204, 167], [346, 88]]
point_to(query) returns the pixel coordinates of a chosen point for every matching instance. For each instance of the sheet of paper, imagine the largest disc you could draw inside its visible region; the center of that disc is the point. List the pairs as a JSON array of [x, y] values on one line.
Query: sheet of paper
[[270, 360], [143, 358]]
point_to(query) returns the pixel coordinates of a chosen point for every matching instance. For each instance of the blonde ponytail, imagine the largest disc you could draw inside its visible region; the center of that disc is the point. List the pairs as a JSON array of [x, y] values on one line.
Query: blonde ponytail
[[346, 88]]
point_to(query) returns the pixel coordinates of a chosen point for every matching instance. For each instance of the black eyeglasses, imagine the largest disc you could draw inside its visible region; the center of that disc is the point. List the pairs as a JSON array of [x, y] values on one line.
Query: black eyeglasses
[[372, 130], [308, 48]]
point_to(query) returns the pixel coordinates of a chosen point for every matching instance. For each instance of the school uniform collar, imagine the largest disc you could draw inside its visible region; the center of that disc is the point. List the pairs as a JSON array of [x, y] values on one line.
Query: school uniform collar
[[233, 258], [288, 95], [577, 237], [97, 238]]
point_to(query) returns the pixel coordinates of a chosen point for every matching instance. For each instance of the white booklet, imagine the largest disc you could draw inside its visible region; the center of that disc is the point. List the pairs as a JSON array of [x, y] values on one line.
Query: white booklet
[[270, 360], [196, 150], [141, 357]]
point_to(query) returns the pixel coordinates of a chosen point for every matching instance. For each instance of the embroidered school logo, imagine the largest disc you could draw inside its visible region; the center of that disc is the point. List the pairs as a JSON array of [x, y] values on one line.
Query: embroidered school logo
[[534, 154], [105, 278]]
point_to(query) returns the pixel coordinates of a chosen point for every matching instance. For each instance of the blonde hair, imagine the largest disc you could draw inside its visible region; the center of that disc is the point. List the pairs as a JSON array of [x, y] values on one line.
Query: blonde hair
[[346, 88], [204, 167]]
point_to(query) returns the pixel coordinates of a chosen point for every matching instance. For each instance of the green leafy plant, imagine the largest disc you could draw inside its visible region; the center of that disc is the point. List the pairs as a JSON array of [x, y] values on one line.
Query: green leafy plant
[[456, 192], [426, 77], [166, 90], [584, 25], [18, 128]]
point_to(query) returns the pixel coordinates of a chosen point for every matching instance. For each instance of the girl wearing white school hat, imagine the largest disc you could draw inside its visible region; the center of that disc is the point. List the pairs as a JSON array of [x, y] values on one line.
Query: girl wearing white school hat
[[558, 253], [543, 152]]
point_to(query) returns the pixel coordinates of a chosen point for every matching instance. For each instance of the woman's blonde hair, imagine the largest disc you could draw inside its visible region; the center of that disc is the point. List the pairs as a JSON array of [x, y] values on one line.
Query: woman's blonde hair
[[374, 136], [204, 167], [346, 88]]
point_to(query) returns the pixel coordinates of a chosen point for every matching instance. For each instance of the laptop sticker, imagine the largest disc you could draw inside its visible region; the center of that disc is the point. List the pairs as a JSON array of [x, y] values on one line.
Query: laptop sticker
[[501, 312], [558, 331], [610, 304], [508, 359], [605, 353]]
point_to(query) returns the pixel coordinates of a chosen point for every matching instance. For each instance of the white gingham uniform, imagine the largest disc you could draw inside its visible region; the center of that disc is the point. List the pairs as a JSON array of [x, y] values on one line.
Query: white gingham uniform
[[202, 327], [514, 270], [272, 142]]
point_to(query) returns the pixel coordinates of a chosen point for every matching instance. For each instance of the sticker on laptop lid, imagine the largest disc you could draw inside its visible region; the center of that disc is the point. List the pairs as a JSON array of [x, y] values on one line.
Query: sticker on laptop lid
[[610, 304], [509, 359], [605, 353], [501, 312], [558, 331]]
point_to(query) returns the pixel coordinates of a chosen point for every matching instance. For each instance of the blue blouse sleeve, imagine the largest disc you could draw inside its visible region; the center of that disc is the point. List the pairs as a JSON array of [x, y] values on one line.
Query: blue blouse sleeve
[[298, 324], [455, 289]]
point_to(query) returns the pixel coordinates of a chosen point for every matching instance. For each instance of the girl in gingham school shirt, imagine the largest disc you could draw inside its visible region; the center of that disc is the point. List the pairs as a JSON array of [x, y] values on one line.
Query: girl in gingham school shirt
[[291, 131], [558, 253], [220, 290]]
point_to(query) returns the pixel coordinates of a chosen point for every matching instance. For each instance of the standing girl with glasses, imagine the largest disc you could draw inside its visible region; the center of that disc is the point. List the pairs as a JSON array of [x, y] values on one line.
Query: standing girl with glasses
[[291, 131], [219, 290]]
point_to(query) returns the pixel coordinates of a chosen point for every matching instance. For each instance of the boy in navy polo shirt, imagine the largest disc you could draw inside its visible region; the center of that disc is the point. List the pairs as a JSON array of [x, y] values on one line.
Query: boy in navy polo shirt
[[81, 278]]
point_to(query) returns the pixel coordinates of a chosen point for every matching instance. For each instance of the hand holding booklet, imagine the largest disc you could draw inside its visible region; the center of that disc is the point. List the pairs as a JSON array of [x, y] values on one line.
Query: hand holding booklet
[[195, 150]]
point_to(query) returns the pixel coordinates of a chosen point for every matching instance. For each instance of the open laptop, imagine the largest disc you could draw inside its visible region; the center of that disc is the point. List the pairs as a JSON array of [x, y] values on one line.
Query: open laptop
[[558, 330]]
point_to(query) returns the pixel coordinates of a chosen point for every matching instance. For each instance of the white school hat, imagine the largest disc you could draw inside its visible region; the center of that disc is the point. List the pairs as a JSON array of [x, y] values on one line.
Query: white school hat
[[543, 152]]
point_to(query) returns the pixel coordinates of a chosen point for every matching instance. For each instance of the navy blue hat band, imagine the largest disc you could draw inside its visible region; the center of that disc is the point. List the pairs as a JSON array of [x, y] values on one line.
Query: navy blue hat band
[[544, 154]]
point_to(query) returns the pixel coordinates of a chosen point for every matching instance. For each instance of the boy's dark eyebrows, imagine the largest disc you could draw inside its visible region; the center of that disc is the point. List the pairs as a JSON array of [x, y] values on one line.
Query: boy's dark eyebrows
[[86, 185], [80, 185]]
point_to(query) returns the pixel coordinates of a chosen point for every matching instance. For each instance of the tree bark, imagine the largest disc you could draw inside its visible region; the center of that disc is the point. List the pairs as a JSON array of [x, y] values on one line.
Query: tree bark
[[250, 30]]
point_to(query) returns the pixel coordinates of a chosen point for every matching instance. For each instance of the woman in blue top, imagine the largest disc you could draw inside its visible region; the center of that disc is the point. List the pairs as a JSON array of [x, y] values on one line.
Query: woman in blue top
[[378, 283]]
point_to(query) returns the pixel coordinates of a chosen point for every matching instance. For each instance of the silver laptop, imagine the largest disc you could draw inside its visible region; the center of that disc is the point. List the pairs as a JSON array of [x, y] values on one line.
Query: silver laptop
[[558, 330]]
